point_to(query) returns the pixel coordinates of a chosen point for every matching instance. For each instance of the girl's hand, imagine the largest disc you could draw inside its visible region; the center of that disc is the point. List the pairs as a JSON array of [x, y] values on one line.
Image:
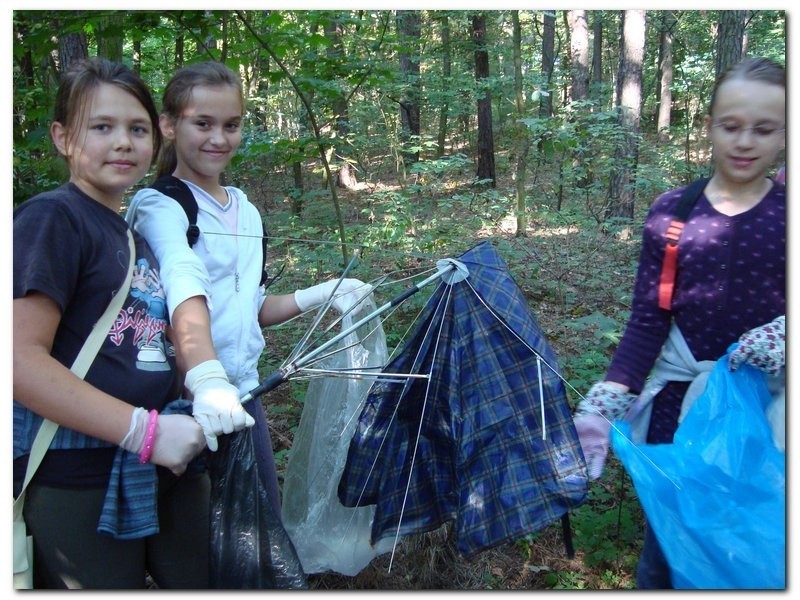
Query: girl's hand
[[347, 294], [763, 347], [215, 402], [178, 440], [605, 402]]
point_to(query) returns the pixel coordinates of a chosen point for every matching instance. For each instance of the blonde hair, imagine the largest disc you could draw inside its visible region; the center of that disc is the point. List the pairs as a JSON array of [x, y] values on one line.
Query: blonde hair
[[764, 70]]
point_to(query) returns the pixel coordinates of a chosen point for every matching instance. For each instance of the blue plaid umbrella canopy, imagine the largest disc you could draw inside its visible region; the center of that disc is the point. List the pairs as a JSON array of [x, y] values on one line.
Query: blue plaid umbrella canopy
[[488, 440]]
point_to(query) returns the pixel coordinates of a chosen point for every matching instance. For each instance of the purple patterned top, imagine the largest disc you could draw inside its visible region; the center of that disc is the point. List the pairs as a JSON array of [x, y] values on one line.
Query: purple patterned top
[[731, 278]]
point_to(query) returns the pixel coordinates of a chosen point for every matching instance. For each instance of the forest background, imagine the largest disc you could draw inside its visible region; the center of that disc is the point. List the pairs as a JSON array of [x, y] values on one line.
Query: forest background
[[411, 135]]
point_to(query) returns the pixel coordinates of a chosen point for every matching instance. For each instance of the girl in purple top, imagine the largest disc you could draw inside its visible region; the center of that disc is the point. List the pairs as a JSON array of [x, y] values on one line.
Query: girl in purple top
[[730, 282]]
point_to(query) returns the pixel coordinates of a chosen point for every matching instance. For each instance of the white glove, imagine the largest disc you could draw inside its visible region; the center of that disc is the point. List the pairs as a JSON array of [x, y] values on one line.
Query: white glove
[[177, 440], [216, 405], [134, 440], [349, 293]]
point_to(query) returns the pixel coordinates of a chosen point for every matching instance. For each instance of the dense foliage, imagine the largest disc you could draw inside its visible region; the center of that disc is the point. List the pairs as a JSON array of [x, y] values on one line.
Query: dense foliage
[[330, 82], [326, 93]]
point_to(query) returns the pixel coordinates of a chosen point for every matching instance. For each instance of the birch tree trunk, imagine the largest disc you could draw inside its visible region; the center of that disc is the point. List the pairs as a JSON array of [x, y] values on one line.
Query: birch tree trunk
[[548, 61], [522, 140], [579, 54], [629, 97]]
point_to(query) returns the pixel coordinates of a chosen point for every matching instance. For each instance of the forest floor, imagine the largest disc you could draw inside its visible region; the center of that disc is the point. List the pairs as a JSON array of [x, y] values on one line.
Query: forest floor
[[574, 278]]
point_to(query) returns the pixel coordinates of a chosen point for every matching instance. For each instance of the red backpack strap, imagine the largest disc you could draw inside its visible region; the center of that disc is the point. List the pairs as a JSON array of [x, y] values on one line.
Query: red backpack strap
[[669, 268]]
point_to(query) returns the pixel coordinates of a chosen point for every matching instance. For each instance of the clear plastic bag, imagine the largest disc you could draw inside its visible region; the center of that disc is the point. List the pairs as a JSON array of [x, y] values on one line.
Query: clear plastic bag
[[327, 535], [716, 496]]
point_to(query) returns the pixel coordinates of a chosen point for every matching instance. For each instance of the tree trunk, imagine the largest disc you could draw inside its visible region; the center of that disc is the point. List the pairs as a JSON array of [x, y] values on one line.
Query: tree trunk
[[579, 54], [299, 188], [597, 57], [26, 57], [223, 55], [446, 74], [665, 76], [110, 37], [486, 167], [522, 140], [408, 28], [208, 40], [137, 56], [72, 48], [346, 177], [730, 38], [746, 37], [179, 52], [548, 62], [629, 96]]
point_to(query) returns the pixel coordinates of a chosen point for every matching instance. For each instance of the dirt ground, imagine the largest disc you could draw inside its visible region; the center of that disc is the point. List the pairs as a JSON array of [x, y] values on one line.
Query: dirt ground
[[431, 561]]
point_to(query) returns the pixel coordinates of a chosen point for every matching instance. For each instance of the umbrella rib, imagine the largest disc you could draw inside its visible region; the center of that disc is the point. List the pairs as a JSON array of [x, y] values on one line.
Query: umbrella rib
[[540, 357], [516, 335], [376, 283], [442, 302], [388, 428]]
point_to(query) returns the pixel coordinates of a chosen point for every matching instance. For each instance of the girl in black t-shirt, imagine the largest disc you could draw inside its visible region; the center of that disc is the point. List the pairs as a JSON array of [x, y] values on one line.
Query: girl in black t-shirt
[[70, 257]]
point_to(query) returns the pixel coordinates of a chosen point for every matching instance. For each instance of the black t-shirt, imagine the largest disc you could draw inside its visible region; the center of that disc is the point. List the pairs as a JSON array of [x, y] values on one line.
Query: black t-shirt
[[75, 250]]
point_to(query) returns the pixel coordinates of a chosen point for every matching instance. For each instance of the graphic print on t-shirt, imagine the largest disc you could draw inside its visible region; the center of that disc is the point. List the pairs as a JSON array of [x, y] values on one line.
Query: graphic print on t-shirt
[[146, 316]]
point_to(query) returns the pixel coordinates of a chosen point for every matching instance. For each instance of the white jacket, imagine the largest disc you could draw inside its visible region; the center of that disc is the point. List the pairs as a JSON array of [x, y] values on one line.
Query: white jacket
[[224, 268]]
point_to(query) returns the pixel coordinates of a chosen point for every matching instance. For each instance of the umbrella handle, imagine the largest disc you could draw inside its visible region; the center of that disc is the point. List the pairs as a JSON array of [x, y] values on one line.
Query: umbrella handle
[[272, 381]]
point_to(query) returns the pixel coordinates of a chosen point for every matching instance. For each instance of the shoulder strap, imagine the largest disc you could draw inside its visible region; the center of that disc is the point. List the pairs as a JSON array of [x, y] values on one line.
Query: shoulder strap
[[669, 268], [264, 275], [80, 367], [691, 194], [266, 280], [171, 186]]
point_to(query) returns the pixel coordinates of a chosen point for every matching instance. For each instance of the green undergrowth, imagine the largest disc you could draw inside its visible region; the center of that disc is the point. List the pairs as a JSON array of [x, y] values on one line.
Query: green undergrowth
[[577, 278]]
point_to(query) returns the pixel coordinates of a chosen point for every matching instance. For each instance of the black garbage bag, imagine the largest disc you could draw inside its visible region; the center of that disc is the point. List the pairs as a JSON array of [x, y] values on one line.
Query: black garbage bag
[[250, 549]]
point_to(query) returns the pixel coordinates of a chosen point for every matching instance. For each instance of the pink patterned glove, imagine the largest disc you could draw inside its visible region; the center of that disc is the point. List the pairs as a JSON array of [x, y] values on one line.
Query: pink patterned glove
[[763, 347], [603, 404]]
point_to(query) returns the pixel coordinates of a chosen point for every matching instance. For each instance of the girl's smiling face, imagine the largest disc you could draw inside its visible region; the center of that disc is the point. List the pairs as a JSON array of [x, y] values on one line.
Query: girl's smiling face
[[110, 147], [747, 128], [207, 133]]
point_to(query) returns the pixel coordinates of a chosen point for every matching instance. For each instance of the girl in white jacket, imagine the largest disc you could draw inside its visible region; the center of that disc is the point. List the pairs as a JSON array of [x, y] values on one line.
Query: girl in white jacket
[[216, 302]]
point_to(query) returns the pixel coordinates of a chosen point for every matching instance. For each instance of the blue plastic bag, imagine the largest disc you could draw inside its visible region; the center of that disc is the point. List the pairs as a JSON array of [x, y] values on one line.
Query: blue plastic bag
[[716, 496]]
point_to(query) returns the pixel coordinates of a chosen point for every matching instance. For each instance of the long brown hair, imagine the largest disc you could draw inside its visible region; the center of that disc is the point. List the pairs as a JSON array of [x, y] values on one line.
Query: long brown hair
[[178, 95], [80, 81]]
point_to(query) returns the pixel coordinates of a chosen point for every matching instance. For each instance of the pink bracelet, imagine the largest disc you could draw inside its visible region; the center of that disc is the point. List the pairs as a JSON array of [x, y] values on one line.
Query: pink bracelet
[[149, 438]]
